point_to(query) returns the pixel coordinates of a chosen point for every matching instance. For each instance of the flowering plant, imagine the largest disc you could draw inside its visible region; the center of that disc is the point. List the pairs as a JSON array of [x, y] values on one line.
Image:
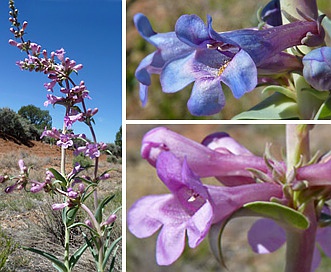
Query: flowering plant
[[290, 195], [74, 187], [285, 55]]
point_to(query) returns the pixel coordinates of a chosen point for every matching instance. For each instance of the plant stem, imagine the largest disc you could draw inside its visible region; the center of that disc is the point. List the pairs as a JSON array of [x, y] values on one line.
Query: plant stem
[[301, 244], [297, 144], [99, 239], [66, 247]]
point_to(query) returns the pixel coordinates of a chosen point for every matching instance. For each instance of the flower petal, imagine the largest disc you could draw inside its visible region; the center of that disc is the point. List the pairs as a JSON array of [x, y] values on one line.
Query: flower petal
[[224, 143], [318, 174], [142, 216], [170, 245], [203, 161], [177, 74], [240, 74], [207, 97], [227, 200], [323, 237], [191, 30], [266, 236]]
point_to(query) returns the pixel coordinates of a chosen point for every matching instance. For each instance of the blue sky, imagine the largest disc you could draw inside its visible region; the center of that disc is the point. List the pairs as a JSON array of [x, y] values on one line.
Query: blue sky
[[90, 32]]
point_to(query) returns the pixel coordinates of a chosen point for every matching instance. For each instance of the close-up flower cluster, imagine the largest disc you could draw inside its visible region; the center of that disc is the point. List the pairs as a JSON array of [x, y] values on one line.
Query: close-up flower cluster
[[287, 43], [291, 198]]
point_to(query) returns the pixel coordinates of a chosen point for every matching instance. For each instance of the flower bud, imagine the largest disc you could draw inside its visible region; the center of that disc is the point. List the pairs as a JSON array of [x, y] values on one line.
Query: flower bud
[[110, 220], [317, 68], [24, 25], [88, 223], [81, 187]]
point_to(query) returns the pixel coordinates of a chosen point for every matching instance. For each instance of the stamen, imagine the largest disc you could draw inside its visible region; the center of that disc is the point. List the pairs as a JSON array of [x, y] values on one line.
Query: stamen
[[193, 197], [222, 68]]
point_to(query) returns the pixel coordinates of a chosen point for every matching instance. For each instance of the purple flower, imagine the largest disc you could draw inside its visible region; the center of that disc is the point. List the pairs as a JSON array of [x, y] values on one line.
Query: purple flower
[[203, 161], [190, 209], [59, 206], [65, 141], [70, 119], [52, 99], [91, 150], [265, 236], [53, 133], [111, 219], [37, 186], [317, 68]]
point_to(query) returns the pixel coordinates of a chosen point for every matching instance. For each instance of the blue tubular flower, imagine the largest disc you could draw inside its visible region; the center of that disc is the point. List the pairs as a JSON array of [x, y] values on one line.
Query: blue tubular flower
[[195, 52], [168, 48], [230, 57], [207, 68], [317, 68], [264, 44]]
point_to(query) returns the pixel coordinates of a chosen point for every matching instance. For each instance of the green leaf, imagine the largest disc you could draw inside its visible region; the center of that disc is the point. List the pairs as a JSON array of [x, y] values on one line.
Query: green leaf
[[75, 257], [284, 215], [58, 176], [109, 250], [80, 224], [69, 215], [214, 237], [93, 250], [280, 89], [55, 261], [86, 193], [276, 106], [324, 111], [103, 203]]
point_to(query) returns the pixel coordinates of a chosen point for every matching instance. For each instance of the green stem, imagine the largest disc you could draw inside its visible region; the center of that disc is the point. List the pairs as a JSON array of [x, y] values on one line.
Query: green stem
[[297, 144], [67, 247], [99, 240]]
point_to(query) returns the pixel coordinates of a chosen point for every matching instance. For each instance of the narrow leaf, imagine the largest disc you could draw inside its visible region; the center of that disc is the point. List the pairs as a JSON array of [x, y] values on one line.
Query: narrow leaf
[[55, 261], [75, 257], [109, 251], [103, 203], [70, 215], [80, 224]]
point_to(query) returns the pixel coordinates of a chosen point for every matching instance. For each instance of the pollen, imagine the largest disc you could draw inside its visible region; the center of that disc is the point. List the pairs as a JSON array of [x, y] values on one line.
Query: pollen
[[222, 68]]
